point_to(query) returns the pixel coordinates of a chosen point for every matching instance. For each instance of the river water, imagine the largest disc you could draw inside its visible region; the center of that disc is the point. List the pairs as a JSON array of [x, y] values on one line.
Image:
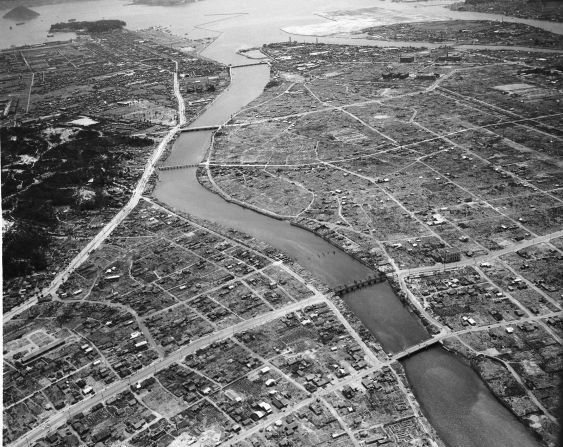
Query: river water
[[455, 400]]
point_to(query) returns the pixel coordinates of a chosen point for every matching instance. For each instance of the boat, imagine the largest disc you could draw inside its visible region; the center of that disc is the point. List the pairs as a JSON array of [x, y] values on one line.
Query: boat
[[50, 35], [20, 23]]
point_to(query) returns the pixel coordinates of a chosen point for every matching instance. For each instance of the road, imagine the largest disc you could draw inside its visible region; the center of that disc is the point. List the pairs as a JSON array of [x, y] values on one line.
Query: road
[[349, 380], [121, 385], [444, 335], [494, 325], [63, 275], [29, 94], [415, 348], [472, 261]]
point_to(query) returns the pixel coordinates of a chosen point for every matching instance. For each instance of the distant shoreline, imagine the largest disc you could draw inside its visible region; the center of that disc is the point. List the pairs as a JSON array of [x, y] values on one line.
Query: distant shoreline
[[9, 4]]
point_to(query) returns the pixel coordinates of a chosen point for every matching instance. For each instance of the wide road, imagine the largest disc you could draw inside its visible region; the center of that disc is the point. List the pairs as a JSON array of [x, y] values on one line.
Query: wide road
[[121, 385], [442, 336], [63, 275], [473, 261]]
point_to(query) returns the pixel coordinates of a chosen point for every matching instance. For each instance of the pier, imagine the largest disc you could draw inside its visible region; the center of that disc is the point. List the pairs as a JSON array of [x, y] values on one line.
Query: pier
[[356, 285]]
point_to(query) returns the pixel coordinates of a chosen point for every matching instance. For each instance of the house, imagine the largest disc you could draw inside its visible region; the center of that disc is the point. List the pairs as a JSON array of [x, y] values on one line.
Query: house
[[266, 407], [142, 345], [257, 415], [278, 403], [87, 390]]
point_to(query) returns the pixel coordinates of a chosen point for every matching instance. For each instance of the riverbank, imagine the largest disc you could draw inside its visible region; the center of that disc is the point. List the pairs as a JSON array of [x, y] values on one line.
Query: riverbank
[[204, 179], [506, 398], [468, 32], [395, 325], [545, 10]]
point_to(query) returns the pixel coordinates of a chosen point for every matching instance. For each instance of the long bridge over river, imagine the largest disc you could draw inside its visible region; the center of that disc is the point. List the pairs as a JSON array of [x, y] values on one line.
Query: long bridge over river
[[416, 348], [343, 289], [249, 65], [198, 129], [173, 167]]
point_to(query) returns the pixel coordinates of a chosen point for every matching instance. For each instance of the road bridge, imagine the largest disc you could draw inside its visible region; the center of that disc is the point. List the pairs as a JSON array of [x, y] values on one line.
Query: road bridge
[[198, 129], [248, 65], [416, 348], [356, 285], [173, 167]]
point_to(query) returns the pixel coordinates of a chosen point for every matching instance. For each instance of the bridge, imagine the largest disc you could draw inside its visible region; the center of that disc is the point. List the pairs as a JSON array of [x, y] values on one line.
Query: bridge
[[356, 285], [200, 128], [416, 348], [248, 65], [171, 167]]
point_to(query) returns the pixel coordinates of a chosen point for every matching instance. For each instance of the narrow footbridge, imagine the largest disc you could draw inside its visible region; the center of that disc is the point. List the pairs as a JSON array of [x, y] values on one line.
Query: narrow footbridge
[[416, 348], [198, 129], [356, 285], [172, 167]]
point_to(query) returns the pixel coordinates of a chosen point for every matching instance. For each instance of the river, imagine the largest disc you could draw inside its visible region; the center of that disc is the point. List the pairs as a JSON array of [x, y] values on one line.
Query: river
[[455, 400]]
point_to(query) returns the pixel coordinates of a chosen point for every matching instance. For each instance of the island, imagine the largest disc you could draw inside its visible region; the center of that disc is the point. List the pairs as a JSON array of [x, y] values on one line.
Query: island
[[98, 26]]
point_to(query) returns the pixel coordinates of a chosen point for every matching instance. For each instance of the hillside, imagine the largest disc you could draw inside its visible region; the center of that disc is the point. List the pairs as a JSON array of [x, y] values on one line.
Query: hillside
[[20, 13]]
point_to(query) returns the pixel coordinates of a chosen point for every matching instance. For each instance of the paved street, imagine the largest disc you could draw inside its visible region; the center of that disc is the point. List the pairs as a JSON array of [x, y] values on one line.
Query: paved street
[[119, 217], [121, 385]]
